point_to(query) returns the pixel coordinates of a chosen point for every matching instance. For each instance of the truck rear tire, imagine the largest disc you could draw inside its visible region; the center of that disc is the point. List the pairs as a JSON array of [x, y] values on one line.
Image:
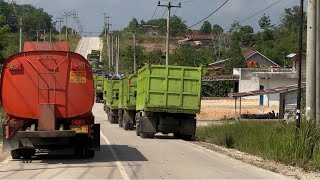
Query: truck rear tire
[[186, 137], [126, 126], [16, 154]]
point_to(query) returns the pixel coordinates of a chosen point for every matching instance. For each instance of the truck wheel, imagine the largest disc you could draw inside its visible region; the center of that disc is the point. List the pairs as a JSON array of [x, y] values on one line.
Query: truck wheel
[[90, 153], [151, 136], [131, 126], [176, 135], [120, 122], [126, 126], [16, 154], [144, 135], [186, 137]]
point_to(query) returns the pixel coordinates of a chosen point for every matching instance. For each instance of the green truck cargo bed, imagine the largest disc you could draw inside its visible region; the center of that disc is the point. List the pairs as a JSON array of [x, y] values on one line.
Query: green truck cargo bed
[[172, 89], [128, 92], [98, 82], [111, 93]]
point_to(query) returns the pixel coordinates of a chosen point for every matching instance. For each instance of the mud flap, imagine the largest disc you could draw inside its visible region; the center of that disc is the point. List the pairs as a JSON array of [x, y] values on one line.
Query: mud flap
[[96, 137], [148, 124], [9, 145]]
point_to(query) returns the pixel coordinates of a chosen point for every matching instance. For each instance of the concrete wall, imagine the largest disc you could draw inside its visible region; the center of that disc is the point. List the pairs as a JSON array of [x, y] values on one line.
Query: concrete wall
[[274, 99]]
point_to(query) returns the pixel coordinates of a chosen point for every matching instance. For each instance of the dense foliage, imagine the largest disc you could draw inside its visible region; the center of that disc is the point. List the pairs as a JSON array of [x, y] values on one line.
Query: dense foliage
[[10, 15]]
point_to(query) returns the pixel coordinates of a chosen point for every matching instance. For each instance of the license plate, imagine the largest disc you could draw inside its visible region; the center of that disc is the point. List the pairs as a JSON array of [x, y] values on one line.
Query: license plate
[[81, 130]]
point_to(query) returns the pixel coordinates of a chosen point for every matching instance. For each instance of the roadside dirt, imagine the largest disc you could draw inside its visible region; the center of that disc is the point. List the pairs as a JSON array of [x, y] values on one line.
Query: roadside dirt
[[291, 171], [224, 108], [3, 155]]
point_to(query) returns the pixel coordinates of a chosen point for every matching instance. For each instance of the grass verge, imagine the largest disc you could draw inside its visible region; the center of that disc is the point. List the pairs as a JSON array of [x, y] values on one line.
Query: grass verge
[[269, 140], [73, 42]]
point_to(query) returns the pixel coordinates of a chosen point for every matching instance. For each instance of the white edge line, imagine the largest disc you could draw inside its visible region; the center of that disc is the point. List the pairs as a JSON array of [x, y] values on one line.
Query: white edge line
[[115, 156]]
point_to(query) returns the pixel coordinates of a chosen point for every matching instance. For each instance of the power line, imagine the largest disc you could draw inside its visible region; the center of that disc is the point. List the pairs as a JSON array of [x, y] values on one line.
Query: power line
[[209, 14], [164, 13], [256, 13], [154, 13]]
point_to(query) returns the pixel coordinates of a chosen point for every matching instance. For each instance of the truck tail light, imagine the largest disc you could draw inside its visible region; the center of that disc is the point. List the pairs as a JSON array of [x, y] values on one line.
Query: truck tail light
[[77, 66], [78, 122], [14, 67]]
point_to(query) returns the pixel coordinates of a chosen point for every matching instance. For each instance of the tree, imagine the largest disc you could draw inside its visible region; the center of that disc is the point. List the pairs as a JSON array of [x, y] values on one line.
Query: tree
[[4, 29], [235, 58], [217, 30], [133, 25], [265, 22], [206, 28], [178, 26], [290, 19]]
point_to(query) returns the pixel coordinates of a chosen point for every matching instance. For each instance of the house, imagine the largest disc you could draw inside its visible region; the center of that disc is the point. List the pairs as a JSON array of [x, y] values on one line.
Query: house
[[197, 40], [253, 79], [152, 30], [287, 101], [253, 57]]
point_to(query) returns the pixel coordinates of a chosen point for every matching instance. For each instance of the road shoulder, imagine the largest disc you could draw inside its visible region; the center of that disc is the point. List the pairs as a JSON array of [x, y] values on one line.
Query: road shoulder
[[290, 171]]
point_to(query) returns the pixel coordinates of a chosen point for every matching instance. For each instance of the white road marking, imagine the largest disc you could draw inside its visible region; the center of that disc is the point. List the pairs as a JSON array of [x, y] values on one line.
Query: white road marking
[[115, 156]]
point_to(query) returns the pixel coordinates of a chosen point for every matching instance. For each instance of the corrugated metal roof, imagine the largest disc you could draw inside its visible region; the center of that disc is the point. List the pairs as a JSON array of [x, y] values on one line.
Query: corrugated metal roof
[[267, 91]]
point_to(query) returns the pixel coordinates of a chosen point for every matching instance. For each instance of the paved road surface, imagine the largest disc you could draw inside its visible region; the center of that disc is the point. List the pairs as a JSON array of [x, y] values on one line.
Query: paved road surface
[[123, 155]]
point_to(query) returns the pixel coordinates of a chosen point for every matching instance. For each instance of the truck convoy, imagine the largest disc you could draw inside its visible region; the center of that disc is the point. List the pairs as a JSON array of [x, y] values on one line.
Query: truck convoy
[[159, 98], [48, 97]]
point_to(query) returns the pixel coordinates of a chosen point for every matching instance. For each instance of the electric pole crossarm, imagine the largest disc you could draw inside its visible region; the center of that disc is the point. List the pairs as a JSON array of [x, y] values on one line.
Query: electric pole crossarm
[[169, 6]]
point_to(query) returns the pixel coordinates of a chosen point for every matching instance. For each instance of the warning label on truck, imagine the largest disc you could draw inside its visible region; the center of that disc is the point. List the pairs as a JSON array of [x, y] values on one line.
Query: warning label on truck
[[78, 77]]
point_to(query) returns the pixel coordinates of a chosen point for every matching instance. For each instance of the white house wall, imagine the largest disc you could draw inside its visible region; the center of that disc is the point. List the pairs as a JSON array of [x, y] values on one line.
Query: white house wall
[[273, 99]]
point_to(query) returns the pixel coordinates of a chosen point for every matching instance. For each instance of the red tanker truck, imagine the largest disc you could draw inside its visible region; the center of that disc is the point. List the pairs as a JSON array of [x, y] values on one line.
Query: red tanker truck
[[48, 97]]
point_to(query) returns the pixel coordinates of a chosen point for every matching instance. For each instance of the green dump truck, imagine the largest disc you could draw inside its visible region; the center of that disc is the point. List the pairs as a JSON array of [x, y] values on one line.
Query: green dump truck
[[127, 102], [98, 87], [168, 99], [111, 98]]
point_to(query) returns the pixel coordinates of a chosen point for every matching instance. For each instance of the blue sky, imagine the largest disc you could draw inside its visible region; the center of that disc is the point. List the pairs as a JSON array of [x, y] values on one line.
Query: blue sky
[[122, 11]]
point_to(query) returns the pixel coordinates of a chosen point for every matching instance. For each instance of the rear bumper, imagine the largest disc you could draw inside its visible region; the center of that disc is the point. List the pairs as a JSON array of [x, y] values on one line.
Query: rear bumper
[[45, 134]]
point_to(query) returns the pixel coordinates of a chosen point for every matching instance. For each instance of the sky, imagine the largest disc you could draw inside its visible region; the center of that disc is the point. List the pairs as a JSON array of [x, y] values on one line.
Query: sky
[[192, 11]]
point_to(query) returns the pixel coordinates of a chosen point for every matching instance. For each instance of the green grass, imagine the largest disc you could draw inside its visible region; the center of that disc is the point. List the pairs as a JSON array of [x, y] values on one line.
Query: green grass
[[73, 42], [270, 140]]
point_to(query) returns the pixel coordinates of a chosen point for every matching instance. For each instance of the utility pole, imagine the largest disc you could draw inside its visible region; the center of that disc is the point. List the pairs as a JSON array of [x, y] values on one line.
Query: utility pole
[[20, 39], [298, 113], [318, 64], [67, 14], [118, 55], [60, 20], [169, 6], [134, 54], [112, 51], [311, 61]]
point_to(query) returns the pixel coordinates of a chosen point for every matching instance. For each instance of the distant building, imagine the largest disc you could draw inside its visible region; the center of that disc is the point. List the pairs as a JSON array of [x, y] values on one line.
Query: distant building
[[197, 40], [254, 57], [253, 79], [152, 30]]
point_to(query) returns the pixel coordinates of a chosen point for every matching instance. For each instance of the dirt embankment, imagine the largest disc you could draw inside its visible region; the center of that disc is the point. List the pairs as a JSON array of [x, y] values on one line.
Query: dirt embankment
[[224, 108]]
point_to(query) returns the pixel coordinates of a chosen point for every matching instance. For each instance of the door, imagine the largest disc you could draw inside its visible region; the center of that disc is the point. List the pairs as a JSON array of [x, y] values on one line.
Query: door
[[261, 96]]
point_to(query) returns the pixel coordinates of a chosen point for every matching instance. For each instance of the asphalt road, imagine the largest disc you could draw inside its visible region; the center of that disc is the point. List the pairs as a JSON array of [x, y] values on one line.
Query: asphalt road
[[124, 155]]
